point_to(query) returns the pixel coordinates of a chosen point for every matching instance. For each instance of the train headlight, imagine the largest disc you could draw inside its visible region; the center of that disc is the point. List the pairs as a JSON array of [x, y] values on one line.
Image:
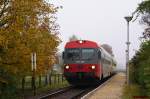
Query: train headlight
[[93, 67], [67, 67], [80, 41]]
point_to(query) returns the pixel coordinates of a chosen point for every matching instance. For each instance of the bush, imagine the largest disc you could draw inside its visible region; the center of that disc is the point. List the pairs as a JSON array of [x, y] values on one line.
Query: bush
[[130, 91], [140, 67]]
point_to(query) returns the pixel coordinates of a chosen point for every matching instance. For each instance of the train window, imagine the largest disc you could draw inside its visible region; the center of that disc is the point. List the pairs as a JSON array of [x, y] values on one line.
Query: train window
[[73, 54], [99, 54], [87, 53]]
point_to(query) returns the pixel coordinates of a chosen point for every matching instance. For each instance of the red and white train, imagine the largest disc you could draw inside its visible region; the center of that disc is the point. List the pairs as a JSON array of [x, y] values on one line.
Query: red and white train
[[86, 63]]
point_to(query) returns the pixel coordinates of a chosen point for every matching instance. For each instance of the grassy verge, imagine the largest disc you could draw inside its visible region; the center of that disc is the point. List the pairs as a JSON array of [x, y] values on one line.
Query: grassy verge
[[131, 91], [52, 87], [46, 88], [56, 84]]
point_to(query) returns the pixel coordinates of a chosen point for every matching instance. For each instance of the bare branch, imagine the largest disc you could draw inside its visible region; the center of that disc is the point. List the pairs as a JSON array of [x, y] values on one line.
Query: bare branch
[[4, 6]]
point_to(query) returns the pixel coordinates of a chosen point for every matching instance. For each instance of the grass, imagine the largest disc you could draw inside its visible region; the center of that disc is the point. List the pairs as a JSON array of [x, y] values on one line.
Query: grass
[[44, 89], [55, 84], [132, 90]]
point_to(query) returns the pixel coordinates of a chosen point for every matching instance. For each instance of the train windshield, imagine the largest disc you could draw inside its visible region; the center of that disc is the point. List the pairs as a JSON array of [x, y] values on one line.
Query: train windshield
[[73, 54], [87, 53], [80, 54]]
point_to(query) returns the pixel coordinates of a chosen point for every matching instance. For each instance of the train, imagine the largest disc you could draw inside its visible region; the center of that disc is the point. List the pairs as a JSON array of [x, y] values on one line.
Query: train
[[86, 62]]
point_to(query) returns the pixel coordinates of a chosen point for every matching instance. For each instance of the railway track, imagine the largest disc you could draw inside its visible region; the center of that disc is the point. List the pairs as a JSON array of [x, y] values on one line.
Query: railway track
[[63, 90], [67, 93], [72, 92]]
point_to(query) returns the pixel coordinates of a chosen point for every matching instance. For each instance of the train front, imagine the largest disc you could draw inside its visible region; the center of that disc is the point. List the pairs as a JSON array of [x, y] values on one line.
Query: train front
[[81, 62]]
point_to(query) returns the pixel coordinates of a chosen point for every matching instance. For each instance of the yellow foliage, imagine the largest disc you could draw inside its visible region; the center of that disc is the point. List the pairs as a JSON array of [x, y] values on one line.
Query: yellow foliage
[[29, 30]]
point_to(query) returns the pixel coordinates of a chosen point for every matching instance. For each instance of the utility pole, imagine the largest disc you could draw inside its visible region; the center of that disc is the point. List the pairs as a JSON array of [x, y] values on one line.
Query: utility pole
[[33, 67], [128, 19]]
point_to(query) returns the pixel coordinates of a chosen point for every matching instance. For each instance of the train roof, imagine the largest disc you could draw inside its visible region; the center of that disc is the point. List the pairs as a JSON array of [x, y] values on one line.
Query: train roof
[[89, 44], [81, 44]]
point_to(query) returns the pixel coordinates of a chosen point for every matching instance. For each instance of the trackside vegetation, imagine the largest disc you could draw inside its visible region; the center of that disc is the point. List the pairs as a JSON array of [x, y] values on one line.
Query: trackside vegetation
[[140, 63]]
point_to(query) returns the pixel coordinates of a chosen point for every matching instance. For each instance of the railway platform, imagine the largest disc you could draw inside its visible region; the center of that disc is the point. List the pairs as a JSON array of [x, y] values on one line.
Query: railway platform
[[109, 90]]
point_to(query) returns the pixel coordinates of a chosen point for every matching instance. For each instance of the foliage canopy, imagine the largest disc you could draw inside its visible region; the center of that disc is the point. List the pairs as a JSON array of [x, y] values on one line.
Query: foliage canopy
[[26, 26]]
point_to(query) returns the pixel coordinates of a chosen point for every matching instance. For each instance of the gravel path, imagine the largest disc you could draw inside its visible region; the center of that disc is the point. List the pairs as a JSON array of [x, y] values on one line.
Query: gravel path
[[112, 90]]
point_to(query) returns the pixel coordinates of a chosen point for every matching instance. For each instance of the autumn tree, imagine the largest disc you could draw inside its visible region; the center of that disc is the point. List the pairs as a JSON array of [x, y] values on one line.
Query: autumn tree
[[31, 27]]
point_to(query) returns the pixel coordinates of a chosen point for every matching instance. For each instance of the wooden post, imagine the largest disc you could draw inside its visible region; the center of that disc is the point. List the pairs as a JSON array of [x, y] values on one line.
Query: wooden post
[[40, 80], [23, 85], [62, 78], [58, 78], [50, 81]]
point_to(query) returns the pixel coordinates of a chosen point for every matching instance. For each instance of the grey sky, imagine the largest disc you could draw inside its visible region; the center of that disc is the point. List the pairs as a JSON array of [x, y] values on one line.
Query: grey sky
[[101, 21]]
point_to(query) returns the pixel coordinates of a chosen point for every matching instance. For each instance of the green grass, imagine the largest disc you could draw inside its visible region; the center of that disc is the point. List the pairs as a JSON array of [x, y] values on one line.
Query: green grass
[[132, 90], [55, 84], [29, 92], [46, 88]]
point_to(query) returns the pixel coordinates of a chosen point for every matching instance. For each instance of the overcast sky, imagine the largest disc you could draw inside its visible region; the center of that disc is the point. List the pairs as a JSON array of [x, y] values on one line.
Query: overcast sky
[[101, 21]]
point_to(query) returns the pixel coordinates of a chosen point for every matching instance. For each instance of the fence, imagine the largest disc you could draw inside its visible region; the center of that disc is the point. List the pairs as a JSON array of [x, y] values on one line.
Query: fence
[[49, 81]]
